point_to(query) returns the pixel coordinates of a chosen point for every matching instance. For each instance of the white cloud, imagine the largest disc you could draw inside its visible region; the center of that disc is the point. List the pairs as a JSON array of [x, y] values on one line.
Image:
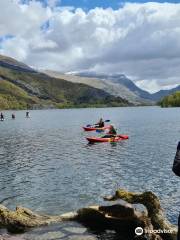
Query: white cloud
[[139, 40]]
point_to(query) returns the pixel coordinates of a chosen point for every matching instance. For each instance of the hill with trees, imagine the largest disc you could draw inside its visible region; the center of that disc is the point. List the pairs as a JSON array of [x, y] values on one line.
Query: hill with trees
[[172, 100]]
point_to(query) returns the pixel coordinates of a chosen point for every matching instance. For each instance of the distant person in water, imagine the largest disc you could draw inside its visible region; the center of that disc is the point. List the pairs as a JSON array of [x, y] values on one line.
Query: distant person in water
[[27, 114], [1, 116], [100, 123], [13, 116], [176, 170]]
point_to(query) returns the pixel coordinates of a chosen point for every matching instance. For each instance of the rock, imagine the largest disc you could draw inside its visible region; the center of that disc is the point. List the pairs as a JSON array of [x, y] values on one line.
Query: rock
[[123, 218], [82, 237], [155, 213], [77, 230], [8, 237], [21, 219], [46, 236]]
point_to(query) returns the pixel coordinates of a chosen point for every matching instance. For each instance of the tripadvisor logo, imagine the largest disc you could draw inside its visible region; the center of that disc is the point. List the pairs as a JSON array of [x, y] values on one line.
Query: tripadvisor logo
[[139, 231]]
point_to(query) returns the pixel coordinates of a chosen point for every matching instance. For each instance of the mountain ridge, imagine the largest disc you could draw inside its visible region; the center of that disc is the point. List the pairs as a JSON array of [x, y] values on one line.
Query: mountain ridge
[[117, 85], [163, 93], [12, 63], [98, 86], [105, 83], [22, 87]]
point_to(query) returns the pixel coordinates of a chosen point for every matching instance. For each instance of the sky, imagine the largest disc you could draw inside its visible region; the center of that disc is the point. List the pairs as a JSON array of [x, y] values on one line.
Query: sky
[[89, 4], [140, 39]]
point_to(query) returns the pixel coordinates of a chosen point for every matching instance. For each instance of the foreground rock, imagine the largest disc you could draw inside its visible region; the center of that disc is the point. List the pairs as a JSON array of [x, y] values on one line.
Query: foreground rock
[[123, 218], [154, 218], [22, 219]]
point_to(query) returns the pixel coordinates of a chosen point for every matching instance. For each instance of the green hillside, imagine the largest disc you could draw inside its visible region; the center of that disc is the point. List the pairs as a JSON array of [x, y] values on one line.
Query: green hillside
[[172, 100], [25, 88], [13, 97]]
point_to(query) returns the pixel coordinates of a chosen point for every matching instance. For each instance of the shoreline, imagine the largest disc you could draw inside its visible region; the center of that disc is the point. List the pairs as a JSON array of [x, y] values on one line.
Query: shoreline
[[80, 107]]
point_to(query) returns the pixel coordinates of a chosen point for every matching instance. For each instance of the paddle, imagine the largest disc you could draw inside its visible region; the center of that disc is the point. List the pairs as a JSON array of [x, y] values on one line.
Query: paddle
[[90, 125]]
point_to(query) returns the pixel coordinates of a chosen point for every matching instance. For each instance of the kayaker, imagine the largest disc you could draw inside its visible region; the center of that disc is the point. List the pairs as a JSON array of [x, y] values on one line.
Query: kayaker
[[2, 116], [13, 116], [112, 131], [176, 170], [100, 124]]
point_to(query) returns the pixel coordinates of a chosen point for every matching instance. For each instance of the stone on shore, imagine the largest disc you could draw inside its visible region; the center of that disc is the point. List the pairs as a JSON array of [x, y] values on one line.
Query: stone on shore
[[82, 237], [77, 230]]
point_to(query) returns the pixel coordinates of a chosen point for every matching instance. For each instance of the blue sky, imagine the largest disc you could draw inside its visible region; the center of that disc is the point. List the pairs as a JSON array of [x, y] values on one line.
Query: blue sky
[[89, 4]]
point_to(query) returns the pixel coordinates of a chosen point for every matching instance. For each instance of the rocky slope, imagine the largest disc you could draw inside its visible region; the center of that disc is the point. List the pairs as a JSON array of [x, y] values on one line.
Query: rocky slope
[[108, 84], [117, 85]]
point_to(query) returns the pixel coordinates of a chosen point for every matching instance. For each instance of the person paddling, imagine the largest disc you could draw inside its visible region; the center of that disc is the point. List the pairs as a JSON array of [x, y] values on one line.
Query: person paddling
[[176, 170], [100, 124], [112, 131], [2, 116], [13, 116]]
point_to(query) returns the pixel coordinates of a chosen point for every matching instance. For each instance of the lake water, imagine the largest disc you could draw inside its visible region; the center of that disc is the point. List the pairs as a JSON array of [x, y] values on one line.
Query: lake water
[[47, 165]]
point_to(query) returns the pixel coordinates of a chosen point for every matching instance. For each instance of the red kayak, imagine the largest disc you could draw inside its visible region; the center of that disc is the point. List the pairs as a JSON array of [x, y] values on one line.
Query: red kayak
[[88, 129], [117, 138]]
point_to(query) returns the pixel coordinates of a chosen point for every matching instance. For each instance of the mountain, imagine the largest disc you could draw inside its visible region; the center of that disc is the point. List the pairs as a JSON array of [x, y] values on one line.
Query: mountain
[[21, 86], [123, 81], [117, 85], [13, 64], [163, 93], [172, 100]]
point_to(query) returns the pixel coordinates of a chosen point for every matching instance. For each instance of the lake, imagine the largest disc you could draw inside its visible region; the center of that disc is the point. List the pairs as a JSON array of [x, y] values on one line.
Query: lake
[[47, 165]]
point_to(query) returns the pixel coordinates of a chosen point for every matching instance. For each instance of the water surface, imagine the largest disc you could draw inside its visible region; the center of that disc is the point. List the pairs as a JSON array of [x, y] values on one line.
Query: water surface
[[47, 165]]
